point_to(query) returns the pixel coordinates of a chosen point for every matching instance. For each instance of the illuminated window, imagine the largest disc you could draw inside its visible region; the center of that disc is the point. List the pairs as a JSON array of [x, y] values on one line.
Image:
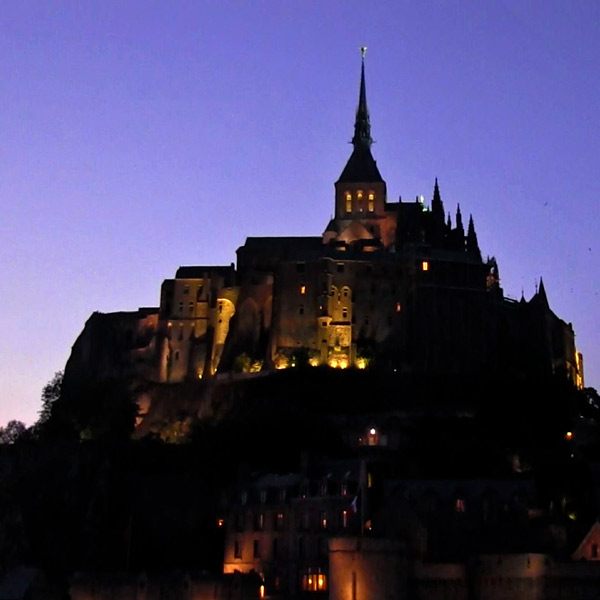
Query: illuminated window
[[344, 519], [359, 194], [371, 205], [425, 266], [256, 549], [303, 289], [220, 523], [279, 521], [314, 581], [261, 591], [323, 519], [398, 307], [348, 202], [460, 505], [237, 549], [369, 480]]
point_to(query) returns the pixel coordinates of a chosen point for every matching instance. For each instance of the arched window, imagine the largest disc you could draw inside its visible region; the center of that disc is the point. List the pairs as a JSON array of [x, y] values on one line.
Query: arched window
[[371, 204], [348, 202]]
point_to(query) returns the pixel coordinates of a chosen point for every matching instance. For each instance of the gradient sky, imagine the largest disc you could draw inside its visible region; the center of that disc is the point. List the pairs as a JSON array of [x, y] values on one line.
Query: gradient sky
[[139, 135]]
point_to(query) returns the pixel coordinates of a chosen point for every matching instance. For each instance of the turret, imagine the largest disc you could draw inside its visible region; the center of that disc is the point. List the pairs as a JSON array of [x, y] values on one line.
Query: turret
[[472, 245]]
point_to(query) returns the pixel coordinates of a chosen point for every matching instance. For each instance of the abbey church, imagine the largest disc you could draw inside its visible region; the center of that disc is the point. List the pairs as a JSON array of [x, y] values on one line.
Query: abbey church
[[399, 286]]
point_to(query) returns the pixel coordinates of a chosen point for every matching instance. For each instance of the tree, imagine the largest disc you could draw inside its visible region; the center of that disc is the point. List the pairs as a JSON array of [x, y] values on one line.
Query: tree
[[50, 394], [13, 431]]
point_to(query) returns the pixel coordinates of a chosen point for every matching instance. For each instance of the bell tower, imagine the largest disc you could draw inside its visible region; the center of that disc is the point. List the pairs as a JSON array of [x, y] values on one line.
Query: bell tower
[[360, 191]]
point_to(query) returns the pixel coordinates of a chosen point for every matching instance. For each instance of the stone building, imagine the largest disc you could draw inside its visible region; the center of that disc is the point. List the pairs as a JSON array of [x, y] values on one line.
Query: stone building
[[397, 284]]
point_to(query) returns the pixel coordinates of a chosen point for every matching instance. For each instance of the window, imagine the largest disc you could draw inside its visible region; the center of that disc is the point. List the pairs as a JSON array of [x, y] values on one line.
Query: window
[[314, 581], [359, 194], [344, 519], [323, 488], [301, 547], [344, 488], [304, 521], [220, 307], [263, 496], [181, 307], [244, 497], [301, 309], [344, 313], [425, 266], [460, 505], [282, 495], [348, 202], [186, 290], [279, 521], [323, 519], [398, 307], [259, 522], [371, 205], [256, 549], [340, 267], [237, 549], [302, 290], [239, 522]]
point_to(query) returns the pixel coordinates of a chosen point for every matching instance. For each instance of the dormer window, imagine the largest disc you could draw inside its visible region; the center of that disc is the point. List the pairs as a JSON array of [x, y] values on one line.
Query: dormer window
[[371, 205], [348, 202]]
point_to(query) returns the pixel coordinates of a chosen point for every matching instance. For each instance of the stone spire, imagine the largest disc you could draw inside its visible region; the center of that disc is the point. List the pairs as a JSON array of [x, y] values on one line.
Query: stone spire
[[542, 294], [437, 206], [472, 244], [459, 223], [361, 166], [362, 125]]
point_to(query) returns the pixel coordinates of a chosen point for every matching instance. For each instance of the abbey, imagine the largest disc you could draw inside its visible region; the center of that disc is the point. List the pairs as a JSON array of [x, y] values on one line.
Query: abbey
[[388, 285]]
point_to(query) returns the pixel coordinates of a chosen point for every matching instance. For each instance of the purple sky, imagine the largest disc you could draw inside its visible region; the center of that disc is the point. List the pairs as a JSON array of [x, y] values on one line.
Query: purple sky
[[138, 136]]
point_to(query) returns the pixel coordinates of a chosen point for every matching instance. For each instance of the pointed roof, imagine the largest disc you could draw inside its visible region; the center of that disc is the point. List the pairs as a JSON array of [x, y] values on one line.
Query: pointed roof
[[542, 293], [361, 166]]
